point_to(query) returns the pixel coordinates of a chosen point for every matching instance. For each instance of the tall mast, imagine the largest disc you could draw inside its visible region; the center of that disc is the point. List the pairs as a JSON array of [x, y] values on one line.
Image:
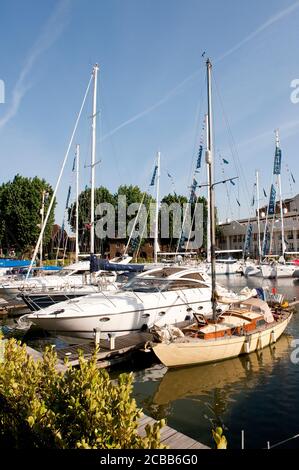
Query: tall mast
[[208, 197], [93, 154], [42, 212], [209, 161], [258, 215], [280, 198], [156, 244], [77, 200]]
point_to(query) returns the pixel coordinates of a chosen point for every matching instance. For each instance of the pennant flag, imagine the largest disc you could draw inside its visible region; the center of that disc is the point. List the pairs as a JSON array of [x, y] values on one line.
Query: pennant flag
[[238, 202], [253, 201], [198, 163], [169, 175], [74, 164], [225, 161], [232, 182], [271, 208], [154, 176], [134, 243], [266, 241], [277, 162], [248, 238], [68, 197], [294, 181], [265, 194]]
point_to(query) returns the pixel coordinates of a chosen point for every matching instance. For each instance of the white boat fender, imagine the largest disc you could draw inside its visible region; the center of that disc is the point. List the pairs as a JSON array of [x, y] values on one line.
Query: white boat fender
[[247, 345]]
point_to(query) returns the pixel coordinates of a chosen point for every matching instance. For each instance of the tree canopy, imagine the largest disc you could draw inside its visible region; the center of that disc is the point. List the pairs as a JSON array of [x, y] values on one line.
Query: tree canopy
[[20, 216]]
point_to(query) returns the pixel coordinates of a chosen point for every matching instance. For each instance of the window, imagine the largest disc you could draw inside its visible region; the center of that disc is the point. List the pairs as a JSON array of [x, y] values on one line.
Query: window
[[196, 276], [150, 285]]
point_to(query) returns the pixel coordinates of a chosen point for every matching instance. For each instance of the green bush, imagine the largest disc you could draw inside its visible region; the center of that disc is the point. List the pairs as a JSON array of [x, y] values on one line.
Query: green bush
[[79, 408]]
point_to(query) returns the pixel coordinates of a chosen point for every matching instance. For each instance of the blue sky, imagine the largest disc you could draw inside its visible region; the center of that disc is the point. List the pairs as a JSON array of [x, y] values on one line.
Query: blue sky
[[151, 90]]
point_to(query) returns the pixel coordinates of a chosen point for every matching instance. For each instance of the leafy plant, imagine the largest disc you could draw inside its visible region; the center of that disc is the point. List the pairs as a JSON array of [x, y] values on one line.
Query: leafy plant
[[20, 218], [219, 438], [79, 408]]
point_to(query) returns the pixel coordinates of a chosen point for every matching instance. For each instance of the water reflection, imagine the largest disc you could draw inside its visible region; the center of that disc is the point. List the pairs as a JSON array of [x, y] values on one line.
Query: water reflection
[[199, 380], [195, 399]]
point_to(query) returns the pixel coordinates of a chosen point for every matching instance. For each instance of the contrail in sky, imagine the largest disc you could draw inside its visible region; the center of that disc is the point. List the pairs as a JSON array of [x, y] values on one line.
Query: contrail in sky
[[151, 108], [273, 19], [50, 33]]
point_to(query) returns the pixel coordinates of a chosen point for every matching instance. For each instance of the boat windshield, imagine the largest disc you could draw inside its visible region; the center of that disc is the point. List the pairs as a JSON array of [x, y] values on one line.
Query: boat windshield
[[144, 284], [70, 272]]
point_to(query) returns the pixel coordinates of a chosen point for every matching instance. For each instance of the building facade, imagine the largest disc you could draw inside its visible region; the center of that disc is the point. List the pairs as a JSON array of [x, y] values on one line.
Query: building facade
[[233, 232]]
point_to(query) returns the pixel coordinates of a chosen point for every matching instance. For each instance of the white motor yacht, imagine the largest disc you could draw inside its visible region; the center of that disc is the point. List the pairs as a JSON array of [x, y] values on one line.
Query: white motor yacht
[[157, 297]]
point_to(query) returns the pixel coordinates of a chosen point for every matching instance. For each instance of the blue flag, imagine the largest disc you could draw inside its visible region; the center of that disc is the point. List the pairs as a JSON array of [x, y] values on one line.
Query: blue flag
[[293, 178], [272, 200], [198, 163], [277, 162], [225, 161], [68, 197], [266, 242], [74, 164], [232, 182], [265, 194], [248, 238], [154, 176]]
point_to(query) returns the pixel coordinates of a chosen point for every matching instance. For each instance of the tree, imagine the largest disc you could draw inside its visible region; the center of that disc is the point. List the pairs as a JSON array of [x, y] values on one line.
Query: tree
[[102, 194], [170, 199], [78, 408], [20, 218], [134, 195]]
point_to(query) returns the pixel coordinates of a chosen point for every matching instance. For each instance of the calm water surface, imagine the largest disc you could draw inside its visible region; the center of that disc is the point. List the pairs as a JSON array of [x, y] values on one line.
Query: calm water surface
[[258, 393]]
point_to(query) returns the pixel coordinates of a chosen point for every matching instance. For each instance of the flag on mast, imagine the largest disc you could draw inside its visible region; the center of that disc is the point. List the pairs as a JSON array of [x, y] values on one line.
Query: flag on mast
[[154, 176]]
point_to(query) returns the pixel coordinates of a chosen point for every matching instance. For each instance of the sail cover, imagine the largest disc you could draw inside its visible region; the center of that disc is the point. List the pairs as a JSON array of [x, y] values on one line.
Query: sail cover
[[104, 264]]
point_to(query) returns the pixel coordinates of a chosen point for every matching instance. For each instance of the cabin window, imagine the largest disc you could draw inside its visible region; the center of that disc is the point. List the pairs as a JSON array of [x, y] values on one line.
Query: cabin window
[[260, 322], [179, 284], [196, 276]]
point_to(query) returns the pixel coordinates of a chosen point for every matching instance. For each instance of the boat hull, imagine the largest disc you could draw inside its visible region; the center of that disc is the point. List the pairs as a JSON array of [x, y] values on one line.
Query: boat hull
[[117, 323], [203, 351]]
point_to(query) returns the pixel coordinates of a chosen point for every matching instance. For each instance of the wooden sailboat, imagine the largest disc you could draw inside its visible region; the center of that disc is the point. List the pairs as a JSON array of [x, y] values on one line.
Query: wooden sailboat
[[241, 329]]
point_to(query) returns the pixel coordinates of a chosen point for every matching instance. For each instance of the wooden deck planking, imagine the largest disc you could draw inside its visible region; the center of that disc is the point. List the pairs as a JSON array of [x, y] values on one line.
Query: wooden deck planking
[[169, 436], [123, 345]]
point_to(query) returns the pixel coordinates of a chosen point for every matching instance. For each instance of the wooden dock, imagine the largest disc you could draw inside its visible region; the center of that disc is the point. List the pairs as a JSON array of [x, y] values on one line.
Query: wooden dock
[[107, 357], [170, 437], [8, 309]]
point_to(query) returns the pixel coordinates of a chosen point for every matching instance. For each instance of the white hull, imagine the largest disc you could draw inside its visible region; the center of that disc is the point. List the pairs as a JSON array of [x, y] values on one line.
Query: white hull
[[203, 351], [285, 270], [268, 271], [226, 268], [135, 315]]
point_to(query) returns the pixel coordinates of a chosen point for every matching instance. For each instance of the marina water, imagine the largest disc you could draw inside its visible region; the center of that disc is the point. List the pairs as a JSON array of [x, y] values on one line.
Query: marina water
[[257, 393]]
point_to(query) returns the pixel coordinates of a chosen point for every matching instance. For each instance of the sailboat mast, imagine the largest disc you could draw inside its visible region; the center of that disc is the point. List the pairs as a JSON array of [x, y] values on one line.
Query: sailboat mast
[[208, 197], [93, 155], [209, 161], [258, 215], [77, 200], [156, 244], [280, 197]]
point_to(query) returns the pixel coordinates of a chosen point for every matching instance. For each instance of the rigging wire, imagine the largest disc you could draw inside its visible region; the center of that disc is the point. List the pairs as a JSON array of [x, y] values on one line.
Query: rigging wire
[[59, 178]]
